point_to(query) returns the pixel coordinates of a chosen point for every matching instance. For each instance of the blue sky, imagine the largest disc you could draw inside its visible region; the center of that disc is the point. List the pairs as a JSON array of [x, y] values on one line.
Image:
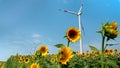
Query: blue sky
[[27, 24]]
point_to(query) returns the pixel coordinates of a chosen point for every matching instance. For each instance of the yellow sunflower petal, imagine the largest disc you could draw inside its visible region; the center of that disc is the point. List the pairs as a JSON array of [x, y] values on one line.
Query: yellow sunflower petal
[[34, 65], [73, 34], [65, 55], [44, 50], [26, 60]]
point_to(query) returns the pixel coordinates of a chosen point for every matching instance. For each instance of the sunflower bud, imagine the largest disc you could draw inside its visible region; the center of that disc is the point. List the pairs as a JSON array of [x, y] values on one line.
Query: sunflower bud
[[110, 30], [114, 25]]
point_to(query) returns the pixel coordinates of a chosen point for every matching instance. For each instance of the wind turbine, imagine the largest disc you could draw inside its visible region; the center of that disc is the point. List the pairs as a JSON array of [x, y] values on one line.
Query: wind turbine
[[79, 21]]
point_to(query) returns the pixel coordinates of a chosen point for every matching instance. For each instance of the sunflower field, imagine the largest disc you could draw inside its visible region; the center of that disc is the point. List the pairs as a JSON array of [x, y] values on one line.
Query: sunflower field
[[66, 58]]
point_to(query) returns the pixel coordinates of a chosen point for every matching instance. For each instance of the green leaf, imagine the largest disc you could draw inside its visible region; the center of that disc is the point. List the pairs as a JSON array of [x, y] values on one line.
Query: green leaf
[[99, 31], [118, 62], [93, 48], [108, 39], [112, 63], [86, 66], [107, 66], [54, 66], [65, 36], [59, 45]]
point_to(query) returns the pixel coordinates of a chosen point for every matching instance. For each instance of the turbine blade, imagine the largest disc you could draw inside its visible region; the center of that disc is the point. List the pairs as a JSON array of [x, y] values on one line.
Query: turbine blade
[[65, 11], [82, 28], [80, 10], [68, 11]]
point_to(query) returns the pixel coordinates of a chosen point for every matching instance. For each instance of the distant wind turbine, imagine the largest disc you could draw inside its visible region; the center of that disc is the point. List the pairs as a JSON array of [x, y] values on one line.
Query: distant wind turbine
[[79, 21]]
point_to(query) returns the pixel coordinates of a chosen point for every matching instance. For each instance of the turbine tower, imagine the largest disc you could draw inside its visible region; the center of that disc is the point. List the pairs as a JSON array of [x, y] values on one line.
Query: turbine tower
[[79, 22]]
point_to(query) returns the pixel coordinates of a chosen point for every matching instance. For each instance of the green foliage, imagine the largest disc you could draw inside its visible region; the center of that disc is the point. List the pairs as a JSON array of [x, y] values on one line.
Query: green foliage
[[59, 45], [111, 63], [11, 62], [93, 48], [96, 59]]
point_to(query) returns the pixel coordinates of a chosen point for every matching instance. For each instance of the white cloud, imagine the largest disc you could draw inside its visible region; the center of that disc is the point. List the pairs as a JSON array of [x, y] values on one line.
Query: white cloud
[[36, 35], [36, 41]]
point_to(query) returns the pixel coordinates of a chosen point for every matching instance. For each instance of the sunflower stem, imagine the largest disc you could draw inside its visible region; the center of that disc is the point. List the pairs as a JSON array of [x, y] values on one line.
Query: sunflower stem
[[68, 43], [102, 57]]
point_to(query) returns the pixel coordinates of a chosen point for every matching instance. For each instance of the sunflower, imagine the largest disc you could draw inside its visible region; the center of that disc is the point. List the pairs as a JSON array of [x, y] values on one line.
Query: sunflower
[[111, 30], [111, 51], [26, 60], [116, 50], [87, 54], [34, 65], [115, 32], [97, 53], [33, 57], [65, 55], [44, 50], [83, 54], [77, 53], [73, 34], [119, 54], [21, 58], [106, 52], [93, 53], [52, 60]]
